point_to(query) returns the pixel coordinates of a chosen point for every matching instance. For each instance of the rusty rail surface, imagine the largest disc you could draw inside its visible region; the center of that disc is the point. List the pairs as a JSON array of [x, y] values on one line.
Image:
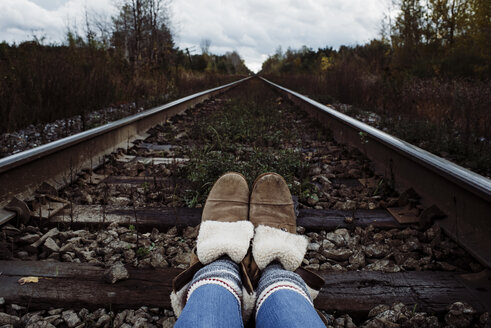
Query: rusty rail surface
[[464, 196], [58, 162]]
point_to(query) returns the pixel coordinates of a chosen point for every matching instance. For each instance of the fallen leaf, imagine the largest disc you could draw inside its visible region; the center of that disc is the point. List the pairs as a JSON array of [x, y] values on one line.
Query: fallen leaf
[[27, 280]]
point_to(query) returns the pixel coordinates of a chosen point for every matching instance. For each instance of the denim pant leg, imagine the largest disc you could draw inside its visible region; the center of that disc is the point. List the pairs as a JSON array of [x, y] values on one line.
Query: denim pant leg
[[286, 308], [211, 306]]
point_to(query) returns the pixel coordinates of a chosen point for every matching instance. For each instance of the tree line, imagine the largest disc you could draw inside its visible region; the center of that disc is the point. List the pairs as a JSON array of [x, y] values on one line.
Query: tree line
[[428, 75], [131, 58], [428, 38]]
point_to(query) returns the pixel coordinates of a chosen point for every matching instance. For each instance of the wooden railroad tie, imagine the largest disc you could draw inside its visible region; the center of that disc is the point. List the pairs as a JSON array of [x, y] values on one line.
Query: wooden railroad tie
[[77, 285], [147, 218]]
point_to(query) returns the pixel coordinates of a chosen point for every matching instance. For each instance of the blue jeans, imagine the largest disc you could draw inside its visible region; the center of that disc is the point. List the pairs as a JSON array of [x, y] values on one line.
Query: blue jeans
[[214, 306]]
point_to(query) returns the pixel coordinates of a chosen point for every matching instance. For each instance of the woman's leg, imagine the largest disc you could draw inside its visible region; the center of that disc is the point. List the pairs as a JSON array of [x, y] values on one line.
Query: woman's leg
[[284, 300], [214, 297]]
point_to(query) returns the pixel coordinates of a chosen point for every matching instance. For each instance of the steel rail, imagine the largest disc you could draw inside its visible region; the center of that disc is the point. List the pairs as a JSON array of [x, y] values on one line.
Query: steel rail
[[59, 161], [464, 196]]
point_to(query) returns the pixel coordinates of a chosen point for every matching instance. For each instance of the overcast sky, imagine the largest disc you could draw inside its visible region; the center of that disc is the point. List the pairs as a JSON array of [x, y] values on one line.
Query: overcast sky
[[254, 28]]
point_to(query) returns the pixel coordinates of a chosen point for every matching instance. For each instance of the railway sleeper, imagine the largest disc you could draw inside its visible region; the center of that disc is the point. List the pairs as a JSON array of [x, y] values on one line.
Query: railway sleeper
[[76, 286]]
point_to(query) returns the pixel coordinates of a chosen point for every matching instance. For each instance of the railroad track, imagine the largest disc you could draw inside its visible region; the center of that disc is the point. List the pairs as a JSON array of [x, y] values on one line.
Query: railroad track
[[131, 192]]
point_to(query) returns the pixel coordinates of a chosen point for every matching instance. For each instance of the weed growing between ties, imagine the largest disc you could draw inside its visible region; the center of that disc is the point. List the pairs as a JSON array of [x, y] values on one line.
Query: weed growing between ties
[[251, 136], [206, 167]]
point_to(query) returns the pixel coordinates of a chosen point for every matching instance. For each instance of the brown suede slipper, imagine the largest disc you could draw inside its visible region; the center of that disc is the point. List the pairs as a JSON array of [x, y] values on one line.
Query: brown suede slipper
[[224, 230]]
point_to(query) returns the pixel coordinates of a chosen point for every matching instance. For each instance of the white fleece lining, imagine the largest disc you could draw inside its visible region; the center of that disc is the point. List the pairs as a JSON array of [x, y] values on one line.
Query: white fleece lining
[[271, 244], [313, 293], [216, 239], [178, 300], [248, 304]]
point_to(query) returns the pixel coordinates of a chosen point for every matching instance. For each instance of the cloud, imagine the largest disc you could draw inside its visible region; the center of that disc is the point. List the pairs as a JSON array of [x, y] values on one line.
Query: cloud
[[21, 19], [254, 28]]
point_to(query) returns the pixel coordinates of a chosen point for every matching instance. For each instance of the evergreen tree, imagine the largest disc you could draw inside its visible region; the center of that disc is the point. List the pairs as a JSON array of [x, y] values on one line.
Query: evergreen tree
[[408, 33]]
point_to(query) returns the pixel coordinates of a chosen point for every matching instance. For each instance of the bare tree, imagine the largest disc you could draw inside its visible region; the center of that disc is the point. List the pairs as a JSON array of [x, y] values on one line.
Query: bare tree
[[103, 26], [387, 24], [142, 32], [205, 46]]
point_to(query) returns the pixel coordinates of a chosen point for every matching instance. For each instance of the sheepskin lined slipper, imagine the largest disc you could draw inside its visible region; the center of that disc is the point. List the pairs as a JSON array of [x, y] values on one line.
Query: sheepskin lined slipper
[[271, 203], [224, 231], [224, 228], [272, 212]]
